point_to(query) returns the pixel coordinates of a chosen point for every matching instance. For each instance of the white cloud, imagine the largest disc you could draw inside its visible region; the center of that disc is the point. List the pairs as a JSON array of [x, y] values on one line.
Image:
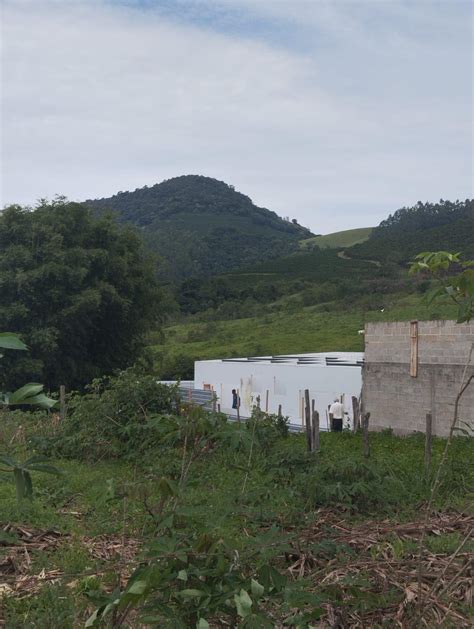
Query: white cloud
[[100, 98]]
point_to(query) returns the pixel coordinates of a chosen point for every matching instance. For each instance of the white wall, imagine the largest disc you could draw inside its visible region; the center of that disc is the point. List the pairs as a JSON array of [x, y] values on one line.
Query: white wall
[[285, 384]]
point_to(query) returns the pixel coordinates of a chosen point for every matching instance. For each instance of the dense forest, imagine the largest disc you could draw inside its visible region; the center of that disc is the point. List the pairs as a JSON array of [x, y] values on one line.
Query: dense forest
[[424, 227], [201, 226], [80, 290]]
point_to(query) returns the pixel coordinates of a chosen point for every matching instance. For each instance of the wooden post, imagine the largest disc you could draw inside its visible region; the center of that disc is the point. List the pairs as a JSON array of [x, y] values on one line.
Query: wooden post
[[279, 410], [258, 402], [365, 434], [355, 414], [428, 444], [307, 414], [238, 405], [316, 440], [62, 402], [266, 402], [413, 349], [218, 408]]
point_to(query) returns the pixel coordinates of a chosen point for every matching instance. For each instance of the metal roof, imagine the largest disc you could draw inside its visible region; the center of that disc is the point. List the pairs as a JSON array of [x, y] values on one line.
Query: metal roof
[[328, 359]]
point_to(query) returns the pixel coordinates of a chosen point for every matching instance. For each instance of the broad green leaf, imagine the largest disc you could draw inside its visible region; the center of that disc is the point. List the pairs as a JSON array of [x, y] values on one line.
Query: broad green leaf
[[30, 394], [11, 341], [137, 587], [182, 575], [191, 593], [47, 469], [202, 624], [257, 589], [37, 458], [243, 603], [26, 391], [7, 460]]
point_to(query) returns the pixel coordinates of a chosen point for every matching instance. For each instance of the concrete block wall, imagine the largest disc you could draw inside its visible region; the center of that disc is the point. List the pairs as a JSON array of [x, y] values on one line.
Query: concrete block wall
[[399, 401]]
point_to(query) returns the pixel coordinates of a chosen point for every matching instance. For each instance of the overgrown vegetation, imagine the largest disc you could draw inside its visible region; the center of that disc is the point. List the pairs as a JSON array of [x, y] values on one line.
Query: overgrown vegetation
[[209, 522]]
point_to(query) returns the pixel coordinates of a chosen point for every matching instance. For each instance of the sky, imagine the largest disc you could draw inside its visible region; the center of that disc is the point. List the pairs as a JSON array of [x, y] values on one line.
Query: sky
[[335, 113]]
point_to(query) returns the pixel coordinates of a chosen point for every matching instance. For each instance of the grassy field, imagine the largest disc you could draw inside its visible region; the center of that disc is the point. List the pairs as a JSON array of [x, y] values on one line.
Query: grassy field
[[294, 329], [345, 238], [304, 538]]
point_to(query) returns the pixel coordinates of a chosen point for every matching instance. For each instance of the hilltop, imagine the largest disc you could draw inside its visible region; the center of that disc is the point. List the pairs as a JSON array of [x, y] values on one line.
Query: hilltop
[[202, 226], [335, 240]]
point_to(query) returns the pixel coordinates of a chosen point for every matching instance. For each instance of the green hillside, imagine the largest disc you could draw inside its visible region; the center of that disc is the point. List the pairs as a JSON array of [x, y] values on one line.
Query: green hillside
[[285, 327], [200, 226], [346, 238], [425, 227]]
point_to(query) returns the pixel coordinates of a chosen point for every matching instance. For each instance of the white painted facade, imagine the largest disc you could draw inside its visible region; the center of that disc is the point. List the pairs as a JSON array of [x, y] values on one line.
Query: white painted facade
[[282, 380]]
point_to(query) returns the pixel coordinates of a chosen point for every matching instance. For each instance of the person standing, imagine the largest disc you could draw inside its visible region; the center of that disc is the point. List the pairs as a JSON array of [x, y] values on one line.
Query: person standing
[[235, 399], [336, 415]]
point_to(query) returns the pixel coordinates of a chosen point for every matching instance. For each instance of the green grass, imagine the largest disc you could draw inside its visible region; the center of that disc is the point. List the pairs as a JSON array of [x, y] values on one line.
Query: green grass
[[280, 492], [293, 329], [346, 238]]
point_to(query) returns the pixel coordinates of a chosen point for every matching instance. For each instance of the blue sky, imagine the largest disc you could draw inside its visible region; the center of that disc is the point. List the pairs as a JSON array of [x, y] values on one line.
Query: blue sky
[[335, 113]]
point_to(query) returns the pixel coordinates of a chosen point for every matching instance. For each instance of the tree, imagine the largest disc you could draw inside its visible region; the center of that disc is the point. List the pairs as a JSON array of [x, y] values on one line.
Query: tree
[[79, 290], [454, 279]]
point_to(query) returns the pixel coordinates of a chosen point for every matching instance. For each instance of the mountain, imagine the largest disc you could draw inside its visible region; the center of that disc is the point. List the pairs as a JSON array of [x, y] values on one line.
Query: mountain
[[340, 272], [201, 226]]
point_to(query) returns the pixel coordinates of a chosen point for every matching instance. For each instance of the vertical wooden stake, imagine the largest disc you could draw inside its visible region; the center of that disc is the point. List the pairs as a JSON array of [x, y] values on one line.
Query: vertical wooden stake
[[266, 401], [307, 414], [365, 434], [279, 410], [355, 414], [316, 440], [428, 444], [218, 408], [62, 402], [413, 349]]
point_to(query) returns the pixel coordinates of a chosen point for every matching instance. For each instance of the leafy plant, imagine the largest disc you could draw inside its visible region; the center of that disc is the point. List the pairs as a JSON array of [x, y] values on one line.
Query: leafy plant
[[124, 415], [29, 394], [454, 278], [21, 473], [187, 584]]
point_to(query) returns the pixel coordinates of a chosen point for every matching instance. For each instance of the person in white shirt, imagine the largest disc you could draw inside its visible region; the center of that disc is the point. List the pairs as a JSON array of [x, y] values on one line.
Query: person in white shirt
[[336, 415]]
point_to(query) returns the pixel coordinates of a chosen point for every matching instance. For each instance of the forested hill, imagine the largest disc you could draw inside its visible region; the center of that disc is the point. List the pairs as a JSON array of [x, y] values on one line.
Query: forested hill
[[425, 227], [200, 226]]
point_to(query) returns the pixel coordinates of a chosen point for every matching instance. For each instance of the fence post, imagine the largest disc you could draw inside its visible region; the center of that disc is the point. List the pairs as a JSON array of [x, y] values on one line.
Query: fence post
[[279, 410], [62, 402], [355, 414], [365, 434], [266, 401], [429, 426], [316, 440], [307, 415]]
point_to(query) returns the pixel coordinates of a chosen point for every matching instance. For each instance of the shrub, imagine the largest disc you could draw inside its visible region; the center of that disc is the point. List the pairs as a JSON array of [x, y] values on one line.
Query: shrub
[[117, 416]]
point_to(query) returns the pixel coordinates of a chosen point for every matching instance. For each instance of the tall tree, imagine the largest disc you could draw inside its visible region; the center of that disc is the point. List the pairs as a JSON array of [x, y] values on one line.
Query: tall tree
[[79, 289]]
